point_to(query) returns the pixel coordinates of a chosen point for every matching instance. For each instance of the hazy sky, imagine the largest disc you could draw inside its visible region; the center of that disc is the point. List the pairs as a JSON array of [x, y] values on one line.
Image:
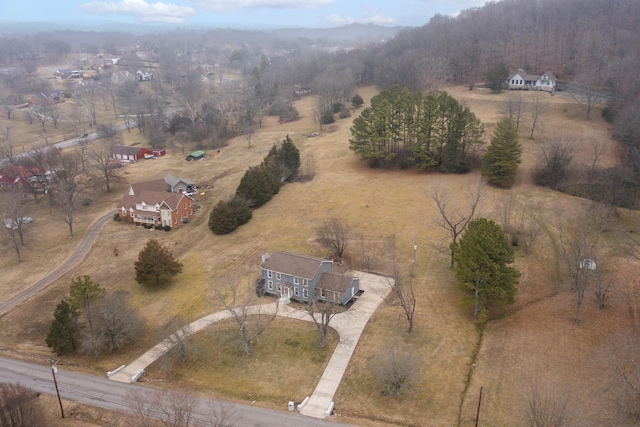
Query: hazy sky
[[245, 13]]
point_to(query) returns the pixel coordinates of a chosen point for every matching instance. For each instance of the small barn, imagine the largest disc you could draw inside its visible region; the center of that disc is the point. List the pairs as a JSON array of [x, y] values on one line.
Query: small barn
[[196, 155], [127, 153]]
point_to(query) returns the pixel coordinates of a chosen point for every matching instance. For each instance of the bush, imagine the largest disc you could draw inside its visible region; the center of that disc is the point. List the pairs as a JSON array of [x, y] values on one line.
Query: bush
[[222, 219], [357, 101], [159, 227], [327, 118], [344, 113], [397, 370], [167, 228], [116, 217], [148, 226]]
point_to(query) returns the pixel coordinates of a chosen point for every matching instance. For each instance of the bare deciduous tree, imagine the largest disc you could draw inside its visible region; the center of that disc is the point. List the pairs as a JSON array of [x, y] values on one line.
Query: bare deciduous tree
[[536, 109], [241, 302], [453, 219], [333, 235], [396, 369], [322, 310], [101, 153], [19, 407], [513, 109], [70, 184], [549, 408], [401, 288], [576, 244], [6, 143], [116, 324], [13, 213], [178, 343]]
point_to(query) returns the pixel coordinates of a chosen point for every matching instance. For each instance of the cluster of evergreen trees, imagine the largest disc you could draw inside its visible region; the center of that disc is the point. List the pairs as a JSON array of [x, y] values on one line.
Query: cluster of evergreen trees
[[257, 187], [429, 132]]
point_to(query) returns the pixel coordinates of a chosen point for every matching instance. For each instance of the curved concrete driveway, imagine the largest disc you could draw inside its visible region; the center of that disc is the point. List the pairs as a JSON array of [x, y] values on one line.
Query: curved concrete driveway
[[349, 326], [82, 249]]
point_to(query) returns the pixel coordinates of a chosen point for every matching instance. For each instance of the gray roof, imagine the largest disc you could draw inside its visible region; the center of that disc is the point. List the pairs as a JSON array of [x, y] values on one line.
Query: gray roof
[[335, 282], [525, 75], [294, 264], [172, 181]]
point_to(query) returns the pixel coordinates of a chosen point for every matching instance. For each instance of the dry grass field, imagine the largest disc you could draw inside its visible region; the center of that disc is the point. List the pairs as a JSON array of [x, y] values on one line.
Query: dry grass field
[[537, 343]]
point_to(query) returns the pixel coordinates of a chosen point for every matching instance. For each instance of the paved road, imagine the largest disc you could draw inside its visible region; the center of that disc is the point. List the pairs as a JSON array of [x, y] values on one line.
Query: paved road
[[348, 324], [113, 395], [81, 251]]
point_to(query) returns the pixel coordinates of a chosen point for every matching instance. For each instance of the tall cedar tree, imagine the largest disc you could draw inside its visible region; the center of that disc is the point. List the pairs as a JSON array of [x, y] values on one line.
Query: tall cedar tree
[[500, 162], [496, 76], [290, 157], [222, 219], [84, 294], [481, 258], [156, 265], [62, 336]]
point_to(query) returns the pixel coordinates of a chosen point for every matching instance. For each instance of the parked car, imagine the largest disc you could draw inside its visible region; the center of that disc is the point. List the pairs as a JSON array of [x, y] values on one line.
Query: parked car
[[150, 156], [84, 135]]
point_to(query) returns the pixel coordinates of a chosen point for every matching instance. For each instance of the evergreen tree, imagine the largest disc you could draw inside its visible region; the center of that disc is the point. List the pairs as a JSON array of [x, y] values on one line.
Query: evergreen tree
[[500, 162], [241, 210], [83, 294], [290, 156], [156, 265], [481, 258], [63, 330], [357, 101], [256, 186], [496, 76], [222, 219]]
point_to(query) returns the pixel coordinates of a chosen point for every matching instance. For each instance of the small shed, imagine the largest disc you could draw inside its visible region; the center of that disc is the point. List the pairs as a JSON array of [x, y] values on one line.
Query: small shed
[[129, 153], [196, 155]]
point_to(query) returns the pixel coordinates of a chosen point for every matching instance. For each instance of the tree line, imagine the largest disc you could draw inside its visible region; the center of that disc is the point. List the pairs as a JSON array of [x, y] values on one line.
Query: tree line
[[257, 186]]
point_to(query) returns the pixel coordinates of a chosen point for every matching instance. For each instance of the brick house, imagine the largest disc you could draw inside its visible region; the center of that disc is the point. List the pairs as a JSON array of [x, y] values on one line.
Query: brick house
[[304, 278], [50, 97]]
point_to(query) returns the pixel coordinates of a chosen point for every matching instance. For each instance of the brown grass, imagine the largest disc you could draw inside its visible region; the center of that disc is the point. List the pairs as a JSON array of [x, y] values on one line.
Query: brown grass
[[537, 342]]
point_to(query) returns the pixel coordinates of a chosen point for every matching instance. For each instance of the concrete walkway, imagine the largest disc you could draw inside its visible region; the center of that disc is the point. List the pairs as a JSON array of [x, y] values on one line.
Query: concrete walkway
[[349, 326]]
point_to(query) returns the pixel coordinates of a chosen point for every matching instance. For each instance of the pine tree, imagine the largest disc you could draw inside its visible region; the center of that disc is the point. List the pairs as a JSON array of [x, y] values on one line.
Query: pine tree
[[83, 294], [290, 157], [481, 258], [156, 265], [496, 76], [222, 219], [500, 162], [63, 330]]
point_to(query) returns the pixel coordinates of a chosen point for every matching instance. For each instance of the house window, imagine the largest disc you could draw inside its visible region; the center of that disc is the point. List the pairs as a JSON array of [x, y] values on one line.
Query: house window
[[296, 292], [305, 282], [278, 276], [124, 212], [321, 293], [296, 280], [144, 207], [305, 293], [270, 285], [269, 273], [279, 287]]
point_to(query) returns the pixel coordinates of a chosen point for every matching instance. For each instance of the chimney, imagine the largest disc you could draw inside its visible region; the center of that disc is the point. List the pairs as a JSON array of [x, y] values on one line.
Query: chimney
[[265, 257]]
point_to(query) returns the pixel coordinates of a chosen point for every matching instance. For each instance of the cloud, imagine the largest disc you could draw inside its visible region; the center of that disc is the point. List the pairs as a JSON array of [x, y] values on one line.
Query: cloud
[[376, 18], [143, 11], [228, 5]]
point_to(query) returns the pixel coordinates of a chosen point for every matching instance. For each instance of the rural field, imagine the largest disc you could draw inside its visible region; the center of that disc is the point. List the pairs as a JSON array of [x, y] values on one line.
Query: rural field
[[536, 345]]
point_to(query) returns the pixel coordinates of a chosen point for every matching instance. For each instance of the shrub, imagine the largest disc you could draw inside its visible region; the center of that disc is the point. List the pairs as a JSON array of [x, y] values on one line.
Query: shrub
[[167, 228], [116, 217], [148, 226], [344, 113], [159, 227], [357, 101], [327, 118]]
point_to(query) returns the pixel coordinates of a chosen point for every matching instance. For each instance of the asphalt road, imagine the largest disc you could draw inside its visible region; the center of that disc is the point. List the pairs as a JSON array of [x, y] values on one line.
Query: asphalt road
[[80, 252], [112, 395]]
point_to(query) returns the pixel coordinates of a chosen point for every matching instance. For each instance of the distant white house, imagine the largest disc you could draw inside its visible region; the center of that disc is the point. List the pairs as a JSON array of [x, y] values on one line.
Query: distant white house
[[525, 81], [144, 76]]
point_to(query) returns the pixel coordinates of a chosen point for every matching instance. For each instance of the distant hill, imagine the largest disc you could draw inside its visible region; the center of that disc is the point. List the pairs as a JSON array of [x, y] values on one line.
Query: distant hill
[[346, 33]]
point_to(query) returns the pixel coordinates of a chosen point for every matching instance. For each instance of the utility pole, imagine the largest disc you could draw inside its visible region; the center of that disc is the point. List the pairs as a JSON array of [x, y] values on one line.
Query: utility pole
[[479, 401], [53, 372]]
